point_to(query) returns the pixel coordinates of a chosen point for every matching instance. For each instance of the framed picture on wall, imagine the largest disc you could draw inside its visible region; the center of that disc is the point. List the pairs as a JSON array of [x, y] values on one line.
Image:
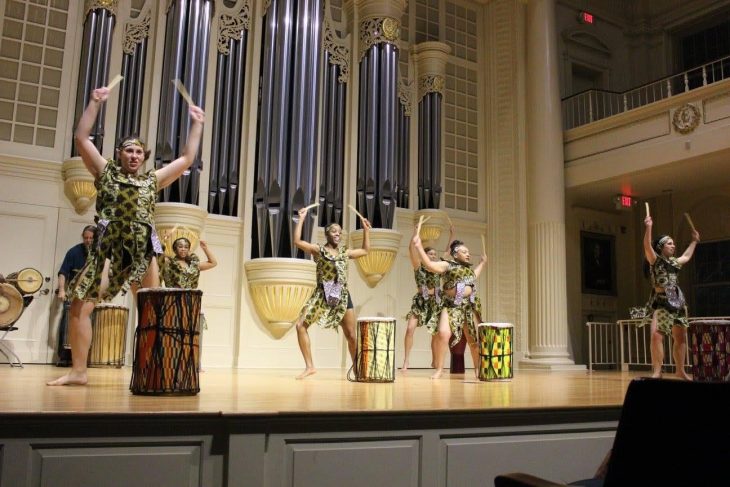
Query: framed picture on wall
[[598, 263]]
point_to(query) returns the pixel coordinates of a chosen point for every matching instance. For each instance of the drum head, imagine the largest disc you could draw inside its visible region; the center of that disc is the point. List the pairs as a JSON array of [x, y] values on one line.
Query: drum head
[[11, 304], [29, 280]]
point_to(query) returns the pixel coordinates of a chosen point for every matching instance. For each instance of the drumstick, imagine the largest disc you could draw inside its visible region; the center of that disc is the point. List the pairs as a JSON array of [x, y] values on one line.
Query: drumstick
[[426, 219], [114, 82], [689, 220], [313, 205], [183, 92], [356, 212], [484, 245], [646, 204], [418, 227]]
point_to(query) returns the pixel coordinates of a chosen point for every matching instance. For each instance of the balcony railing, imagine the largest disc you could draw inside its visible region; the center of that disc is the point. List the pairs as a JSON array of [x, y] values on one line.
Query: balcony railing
[[624, 344], [593, 105]]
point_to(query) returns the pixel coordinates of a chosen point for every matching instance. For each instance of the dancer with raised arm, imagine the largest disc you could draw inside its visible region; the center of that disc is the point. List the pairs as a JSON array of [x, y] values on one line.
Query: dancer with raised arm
[[460, 304], [331, 305], [126, 245], [426, 303], [666, 310]]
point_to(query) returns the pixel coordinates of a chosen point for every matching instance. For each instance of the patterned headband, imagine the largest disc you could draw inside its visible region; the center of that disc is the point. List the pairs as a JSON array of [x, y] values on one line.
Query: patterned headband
[[129, 142], [661, 242]]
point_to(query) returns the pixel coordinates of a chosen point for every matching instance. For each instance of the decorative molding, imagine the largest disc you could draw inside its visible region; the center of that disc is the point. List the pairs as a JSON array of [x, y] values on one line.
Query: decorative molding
[[232, 26], [110, 5], [405, 95], [686, 118], [339, 52], [135, 32], [267, 4], [430, 83], [376, 30]]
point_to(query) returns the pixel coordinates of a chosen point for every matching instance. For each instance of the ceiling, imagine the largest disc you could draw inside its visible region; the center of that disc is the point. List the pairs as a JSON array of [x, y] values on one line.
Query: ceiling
[[688, 175]]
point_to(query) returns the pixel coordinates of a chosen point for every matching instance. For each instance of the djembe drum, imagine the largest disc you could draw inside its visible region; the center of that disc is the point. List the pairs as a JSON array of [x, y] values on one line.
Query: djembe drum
[[709, 345], [495, 351], [375, 356], [27, 281], [109, 331], [166, 342]]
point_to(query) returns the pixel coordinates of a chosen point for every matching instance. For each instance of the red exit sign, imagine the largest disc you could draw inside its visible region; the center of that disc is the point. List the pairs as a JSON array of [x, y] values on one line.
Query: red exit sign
[[585, 17]]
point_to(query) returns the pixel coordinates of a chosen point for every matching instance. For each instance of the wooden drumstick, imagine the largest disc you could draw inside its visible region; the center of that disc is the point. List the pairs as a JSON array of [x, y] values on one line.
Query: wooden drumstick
[[183, 92], [418, 227], [689, 220], [484, 245], [309, 207], [114, 82], [646, 204], [356, 212]]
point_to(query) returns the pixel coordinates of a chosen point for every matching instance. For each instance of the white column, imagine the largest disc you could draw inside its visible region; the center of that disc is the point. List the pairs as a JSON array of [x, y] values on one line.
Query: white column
[[548, 328]]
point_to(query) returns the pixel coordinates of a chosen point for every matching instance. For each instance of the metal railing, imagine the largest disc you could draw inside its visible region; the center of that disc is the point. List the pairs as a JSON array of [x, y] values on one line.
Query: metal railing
[[593, 105], [625, 344]]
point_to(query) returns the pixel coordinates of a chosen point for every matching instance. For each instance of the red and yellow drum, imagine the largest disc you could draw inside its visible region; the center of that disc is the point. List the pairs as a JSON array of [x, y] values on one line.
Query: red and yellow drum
[[495, 351], [166, 342], [375, 356], [108, 335]]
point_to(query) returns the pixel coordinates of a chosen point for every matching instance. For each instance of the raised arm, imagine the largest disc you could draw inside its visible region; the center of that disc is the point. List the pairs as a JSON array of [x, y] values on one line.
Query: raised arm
[[648, 250], [93, 160], [413, 252], [362, 251], [212, 262], [480, 266], [687, 255], [302, 244], [169, 174], [431, 266]]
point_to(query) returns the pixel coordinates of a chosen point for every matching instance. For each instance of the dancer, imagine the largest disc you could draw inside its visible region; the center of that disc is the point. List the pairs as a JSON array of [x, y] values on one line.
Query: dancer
[[460, 304], [426, 303], [183, 270], [330, 306], [126, 245], [666, 309], [73, 262]]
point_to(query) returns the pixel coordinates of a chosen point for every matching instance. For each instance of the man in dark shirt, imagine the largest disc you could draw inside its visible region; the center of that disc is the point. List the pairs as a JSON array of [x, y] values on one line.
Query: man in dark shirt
[[73, 262]]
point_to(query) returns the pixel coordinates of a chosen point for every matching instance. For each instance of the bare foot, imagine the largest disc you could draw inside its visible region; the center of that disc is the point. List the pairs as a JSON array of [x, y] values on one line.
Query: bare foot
[[70, 379], [307, 372], [405, 367], [437, 374], [657, 374], [682, 375]]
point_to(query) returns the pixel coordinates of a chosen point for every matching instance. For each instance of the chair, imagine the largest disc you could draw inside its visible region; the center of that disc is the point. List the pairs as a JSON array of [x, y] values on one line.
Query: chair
[[670, 433]]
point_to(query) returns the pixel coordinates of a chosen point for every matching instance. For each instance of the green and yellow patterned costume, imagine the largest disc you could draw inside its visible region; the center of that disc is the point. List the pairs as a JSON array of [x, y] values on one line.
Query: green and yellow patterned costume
[[125, 208], [461, 310], [670, 305], [176, 275], [425, 307], [328, 304]]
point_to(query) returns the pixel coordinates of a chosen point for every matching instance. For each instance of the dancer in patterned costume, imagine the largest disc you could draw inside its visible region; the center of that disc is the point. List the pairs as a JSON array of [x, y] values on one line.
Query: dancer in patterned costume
[[125, 247], [183, 270], [666, 309], [460, 304], [426, 303], [330, 306]]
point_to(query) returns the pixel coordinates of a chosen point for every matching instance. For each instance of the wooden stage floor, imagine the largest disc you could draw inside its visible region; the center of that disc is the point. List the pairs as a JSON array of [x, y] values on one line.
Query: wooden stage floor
[[241, 392]]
